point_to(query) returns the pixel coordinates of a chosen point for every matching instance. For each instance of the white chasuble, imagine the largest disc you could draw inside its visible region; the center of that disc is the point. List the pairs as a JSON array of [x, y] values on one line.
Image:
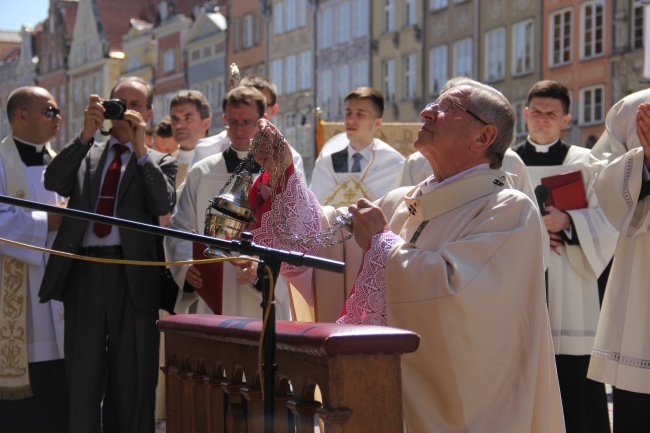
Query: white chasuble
[[573, 303], [467, 289]]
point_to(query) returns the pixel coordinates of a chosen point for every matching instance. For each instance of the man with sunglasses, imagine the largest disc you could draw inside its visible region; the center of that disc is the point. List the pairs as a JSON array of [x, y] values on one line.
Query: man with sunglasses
[[444, 259], [582, 243], [32, 370], [243, 107]]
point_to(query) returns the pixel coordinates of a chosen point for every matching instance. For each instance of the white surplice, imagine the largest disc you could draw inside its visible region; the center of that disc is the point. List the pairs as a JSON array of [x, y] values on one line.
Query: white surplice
[[621, 354], [485, 361], [203, 182], [44, 321], [573, 302], [378, 176]]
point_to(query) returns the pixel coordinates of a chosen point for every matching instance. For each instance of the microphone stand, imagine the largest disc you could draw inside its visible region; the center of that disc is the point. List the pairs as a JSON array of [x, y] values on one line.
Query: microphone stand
[[269, 257]]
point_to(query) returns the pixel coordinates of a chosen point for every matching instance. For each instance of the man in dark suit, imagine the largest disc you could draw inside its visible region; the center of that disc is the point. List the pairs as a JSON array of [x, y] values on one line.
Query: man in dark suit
[[111, 309]]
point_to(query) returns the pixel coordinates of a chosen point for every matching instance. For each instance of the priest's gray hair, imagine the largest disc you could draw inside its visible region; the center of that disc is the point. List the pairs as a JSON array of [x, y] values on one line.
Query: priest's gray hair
[[490, 105]]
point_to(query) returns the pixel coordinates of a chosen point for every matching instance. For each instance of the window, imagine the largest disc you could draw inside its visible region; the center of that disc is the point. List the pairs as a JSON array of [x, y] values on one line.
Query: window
[[169, 59], [388, 87], [196, 55], [436, 5], [342, 88], [410, 76], [520, 126], [410, 13], [592, 110], [304, 71], [61, 94], [302, 13], [637, 25], [389, 16], [495, 57], [463, 58], [325, 94], [276, 74], [290, 15], [327, 28], [592, 27], [277, 16], [361, 18], [343, 23], [360, 75], [207, 51], [522, 47], [290, 72], [561, 37], [247, 30], [437, 69]]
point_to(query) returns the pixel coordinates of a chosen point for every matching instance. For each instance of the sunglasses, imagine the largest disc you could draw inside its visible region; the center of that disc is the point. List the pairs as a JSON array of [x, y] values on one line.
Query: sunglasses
[[50, 112]]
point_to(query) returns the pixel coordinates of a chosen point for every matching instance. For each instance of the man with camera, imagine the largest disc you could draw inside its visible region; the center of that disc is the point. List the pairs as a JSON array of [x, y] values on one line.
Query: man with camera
[[111, 309]]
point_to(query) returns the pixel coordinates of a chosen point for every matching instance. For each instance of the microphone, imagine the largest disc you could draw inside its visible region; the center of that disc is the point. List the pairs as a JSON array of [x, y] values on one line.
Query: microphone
[[541, 194]]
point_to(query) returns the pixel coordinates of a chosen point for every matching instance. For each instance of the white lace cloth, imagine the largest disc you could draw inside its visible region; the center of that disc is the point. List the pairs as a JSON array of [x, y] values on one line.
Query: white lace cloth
[[367, 303], [302, 213]]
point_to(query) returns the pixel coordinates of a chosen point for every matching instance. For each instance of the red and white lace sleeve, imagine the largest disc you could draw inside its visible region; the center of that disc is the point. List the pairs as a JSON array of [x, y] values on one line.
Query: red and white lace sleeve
[[367, 302], [301, 216]]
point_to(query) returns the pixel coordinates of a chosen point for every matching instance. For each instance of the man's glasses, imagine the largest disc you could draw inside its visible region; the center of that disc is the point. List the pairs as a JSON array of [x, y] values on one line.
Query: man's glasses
[[444, 105], [232, 124], [50, 112]]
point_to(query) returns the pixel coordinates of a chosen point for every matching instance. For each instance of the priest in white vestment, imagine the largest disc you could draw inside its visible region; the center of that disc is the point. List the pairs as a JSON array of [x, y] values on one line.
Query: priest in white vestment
[[33, 390], [354, 164], [457, 259], [243, 106], [621, 353]]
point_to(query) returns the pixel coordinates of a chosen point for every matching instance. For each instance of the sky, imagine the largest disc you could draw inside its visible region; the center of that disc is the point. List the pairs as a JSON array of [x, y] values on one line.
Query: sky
[[14, 13]]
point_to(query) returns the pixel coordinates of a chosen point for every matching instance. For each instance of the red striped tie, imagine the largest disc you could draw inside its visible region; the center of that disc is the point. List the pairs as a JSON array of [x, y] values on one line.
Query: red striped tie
[[106, 204]]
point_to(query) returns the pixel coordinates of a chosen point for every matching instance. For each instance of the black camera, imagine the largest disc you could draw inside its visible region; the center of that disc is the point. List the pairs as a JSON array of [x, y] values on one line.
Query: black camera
[[114, 109]]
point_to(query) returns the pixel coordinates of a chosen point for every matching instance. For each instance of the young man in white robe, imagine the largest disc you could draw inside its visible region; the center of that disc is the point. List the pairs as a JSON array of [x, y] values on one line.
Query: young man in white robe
[[242, 107], [621, 353], [33, 390], [582, 243], [354, 164], [457, 259]]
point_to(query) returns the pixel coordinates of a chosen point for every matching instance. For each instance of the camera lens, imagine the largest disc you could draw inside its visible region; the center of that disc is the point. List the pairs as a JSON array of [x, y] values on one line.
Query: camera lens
[[114, 109]]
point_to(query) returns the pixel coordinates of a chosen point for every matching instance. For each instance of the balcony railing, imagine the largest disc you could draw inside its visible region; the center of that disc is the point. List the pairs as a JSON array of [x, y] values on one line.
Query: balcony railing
[[349, 377]]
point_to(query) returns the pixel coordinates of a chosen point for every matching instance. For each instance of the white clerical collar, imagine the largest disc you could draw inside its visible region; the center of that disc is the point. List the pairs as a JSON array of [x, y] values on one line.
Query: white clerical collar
[[38, 147], [431, 184], [241, 154], [541, 148]]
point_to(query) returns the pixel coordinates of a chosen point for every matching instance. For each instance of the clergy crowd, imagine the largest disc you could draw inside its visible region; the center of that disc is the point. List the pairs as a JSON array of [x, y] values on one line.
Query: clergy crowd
[[492, 251]]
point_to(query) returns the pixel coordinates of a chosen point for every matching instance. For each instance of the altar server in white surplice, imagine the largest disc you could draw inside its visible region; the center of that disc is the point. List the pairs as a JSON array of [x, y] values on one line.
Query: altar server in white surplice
[[353, 164], [582, 242], [33, 390], [242, 107], [621, 354], [457, 259]]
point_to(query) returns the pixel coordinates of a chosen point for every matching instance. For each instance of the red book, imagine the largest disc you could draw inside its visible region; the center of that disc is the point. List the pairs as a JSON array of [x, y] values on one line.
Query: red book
[[212, 274], [566, 191]]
